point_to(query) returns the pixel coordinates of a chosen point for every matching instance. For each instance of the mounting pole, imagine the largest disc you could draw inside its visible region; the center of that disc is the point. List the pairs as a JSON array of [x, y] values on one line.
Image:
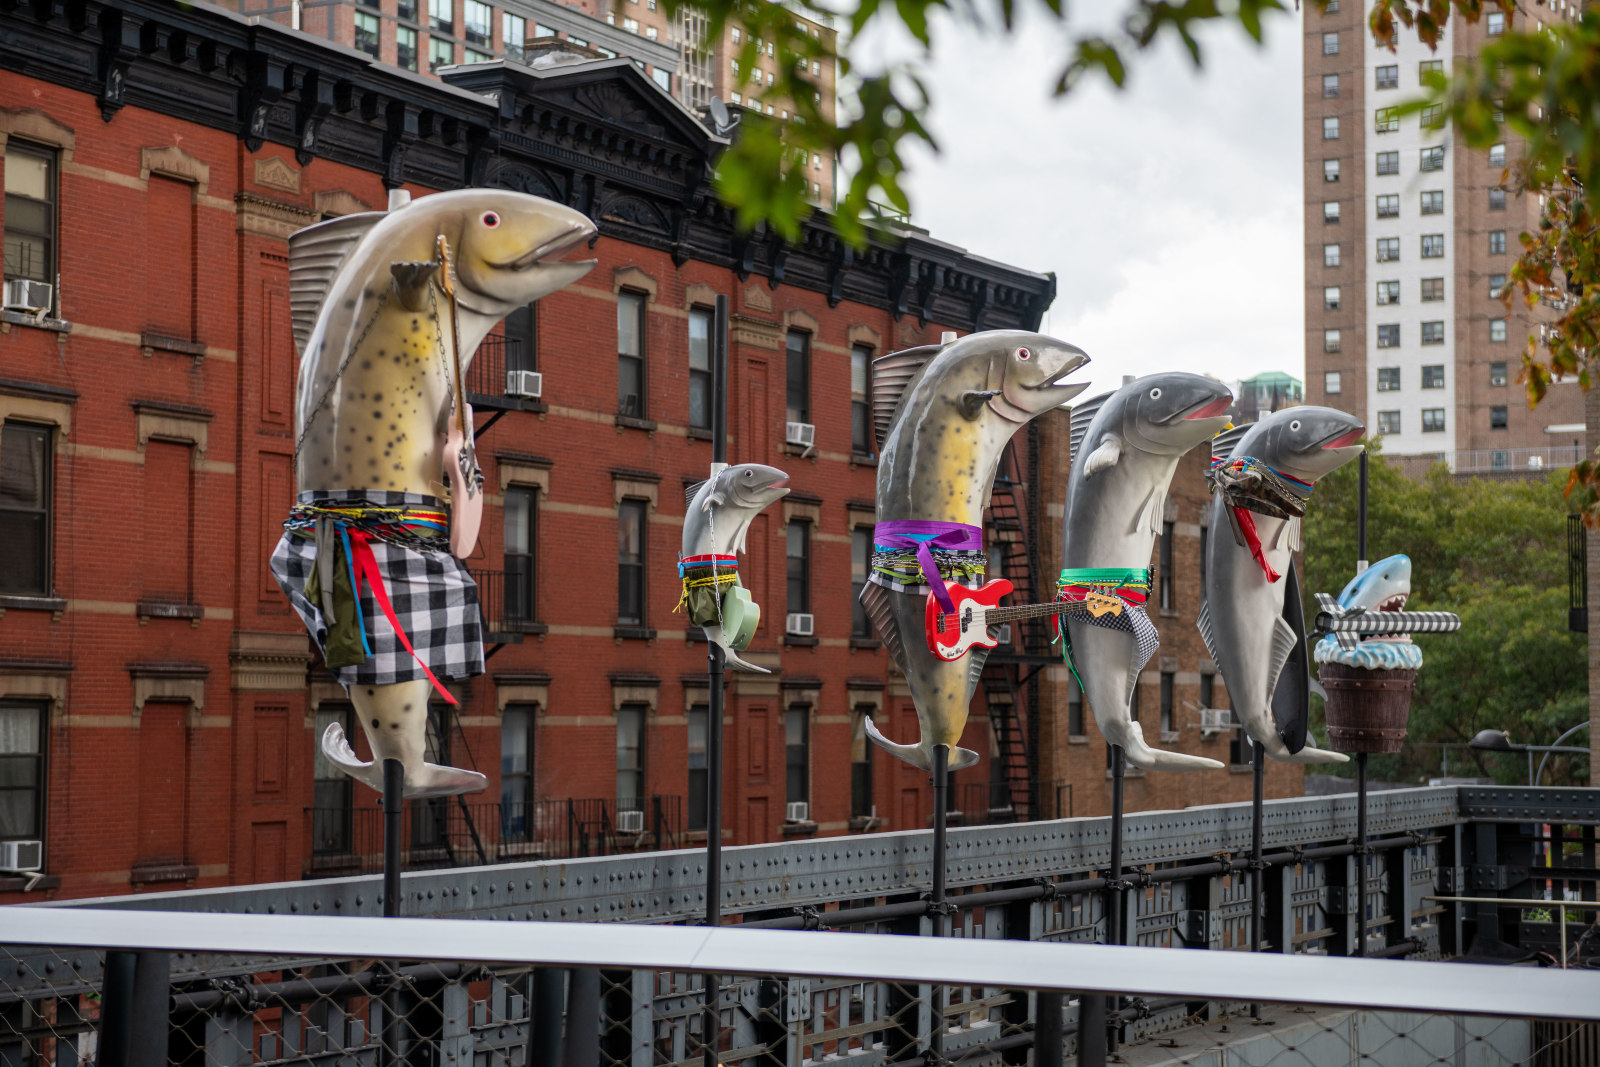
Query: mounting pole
[[937, 908], [1361, 518], [1360, 902], [1115, 888], [1258, 757], [394, 793], [710, 1025]]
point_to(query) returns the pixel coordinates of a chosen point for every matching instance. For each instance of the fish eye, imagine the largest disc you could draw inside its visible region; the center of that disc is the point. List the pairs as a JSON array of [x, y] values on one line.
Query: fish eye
[[1024, 354], [1155, 394], [490, 219], [1295, 425]]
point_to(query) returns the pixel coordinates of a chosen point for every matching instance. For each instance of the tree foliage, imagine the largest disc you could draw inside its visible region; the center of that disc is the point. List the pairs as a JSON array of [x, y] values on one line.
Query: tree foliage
[[1493, 552]]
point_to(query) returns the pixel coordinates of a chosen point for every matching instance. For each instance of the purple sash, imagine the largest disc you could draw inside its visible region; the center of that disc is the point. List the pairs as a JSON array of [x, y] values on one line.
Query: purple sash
[[923, 536]]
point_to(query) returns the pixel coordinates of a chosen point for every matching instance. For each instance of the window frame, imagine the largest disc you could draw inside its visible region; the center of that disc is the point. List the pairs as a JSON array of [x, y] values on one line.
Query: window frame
[[1497, 199], [1167, 591], [1435, 242], [1388, 380], [1330, 128], [1432, 334], [1386, 120], [697, 782], [523, 830], [1498, 377], [1497, 242], [632, 572], [640, 767], [526, 569], [1389, 422], [1332, 298], [1431, 202], [1497, 330], [862, 442], [797, 567], [1332, 385], [1330, 212], [797, 375], [1499, 417], [860, 571], [861, 801], [1330, 170], [1388, 292], [640, 301], [336, 782], [1432, 290], [1388, 250], [797, 754], [43, 513], [51, 157], [1388, 162], [40, 761], [1387, 205], [700, 379], [1330, 43], [1433, 376], [1331, 255], [1388, 335], [1435, 416], [1431, 158], [1386, 77], [1332, 340]]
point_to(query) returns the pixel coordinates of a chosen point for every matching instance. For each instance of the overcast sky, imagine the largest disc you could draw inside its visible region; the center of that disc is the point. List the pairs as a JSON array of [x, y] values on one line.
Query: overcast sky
[[1170, 211]]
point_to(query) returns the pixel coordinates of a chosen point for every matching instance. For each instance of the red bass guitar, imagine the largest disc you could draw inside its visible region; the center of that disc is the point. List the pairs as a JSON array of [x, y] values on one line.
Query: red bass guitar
[[951, 634]]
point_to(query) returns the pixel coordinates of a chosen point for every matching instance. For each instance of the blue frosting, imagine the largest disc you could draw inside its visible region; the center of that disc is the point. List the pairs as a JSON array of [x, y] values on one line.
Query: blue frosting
[[1370, 655]]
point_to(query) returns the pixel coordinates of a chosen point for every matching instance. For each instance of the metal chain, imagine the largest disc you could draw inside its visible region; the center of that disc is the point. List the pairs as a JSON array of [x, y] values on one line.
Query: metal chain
[[322, 402]]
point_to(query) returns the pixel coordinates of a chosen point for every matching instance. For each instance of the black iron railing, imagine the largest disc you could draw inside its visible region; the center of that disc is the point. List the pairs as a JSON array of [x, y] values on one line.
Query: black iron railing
[[1577, 575], [487, 376], [506, 598]]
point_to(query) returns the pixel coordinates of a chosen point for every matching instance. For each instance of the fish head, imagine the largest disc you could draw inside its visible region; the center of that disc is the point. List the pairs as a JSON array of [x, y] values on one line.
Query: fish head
[[748, 486], [1307, 442], [1383, 586], [1026, 370], [1170, 413], [508, 245]]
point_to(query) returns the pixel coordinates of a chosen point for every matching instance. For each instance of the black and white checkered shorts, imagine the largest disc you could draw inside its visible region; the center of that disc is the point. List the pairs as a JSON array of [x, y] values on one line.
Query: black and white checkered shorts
[[433, 596]]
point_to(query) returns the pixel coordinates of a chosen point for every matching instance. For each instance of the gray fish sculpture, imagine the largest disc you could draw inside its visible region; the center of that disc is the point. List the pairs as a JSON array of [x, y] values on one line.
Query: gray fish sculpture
[[720, 510], [1121, 469], [386, 321], [944, 414], [1252, 623]]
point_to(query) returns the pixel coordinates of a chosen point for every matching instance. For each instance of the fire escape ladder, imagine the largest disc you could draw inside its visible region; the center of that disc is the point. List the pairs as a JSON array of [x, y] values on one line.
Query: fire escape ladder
[[1003, 695]]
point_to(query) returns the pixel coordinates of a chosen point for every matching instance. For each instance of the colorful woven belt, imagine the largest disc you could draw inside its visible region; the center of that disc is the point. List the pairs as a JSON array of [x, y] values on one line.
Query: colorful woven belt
[[942, 550]]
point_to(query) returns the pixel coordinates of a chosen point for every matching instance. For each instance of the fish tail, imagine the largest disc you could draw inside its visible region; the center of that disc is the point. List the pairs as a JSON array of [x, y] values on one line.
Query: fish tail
[[1276, 749], [1140, 754], [916, 755]]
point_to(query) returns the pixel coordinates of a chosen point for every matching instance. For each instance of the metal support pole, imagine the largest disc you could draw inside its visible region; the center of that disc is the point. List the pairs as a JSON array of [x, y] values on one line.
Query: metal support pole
[[582, 1044], [1360, 902], [1258, 757], [544, 1015], [1092, 1032], [1361, 518], [1115, 889], [394, 791], [134, 1009], [936, 902], [710, 1019], [1048, 1032]]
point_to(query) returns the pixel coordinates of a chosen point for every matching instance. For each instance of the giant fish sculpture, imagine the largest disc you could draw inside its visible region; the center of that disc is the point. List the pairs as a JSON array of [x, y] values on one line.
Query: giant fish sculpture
[[1121, 468], [720, 510], [1252, 620], [943, 414], [388, 309]]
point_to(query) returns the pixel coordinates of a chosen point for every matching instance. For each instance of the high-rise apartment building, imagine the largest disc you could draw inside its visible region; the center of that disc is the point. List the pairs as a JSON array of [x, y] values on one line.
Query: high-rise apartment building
[[1409, 238], [678, 52]]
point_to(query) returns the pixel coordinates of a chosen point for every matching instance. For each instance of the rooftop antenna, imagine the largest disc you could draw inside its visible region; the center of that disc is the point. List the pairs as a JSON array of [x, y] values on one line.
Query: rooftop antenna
[[721, 118]]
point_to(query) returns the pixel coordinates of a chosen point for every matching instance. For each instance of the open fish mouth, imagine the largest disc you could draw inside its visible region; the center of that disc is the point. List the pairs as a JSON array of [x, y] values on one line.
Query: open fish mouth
[[551, 249], [1055, 380], [1211, 409], [1343, 440], [1394, 603]]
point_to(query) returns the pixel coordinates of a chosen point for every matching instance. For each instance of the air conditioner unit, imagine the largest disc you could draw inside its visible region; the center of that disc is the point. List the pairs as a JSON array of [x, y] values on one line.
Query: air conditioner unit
[[1002, 633], [799, 623], [524, 383], [29, 296], [1215, 721], [799, 433], [630, 822], [21, 855], [797, 811]]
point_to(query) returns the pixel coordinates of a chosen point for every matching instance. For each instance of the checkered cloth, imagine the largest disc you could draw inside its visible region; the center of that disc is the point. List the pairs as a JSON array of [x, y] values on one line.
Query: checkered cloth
[[433, 596], [1130, 620]]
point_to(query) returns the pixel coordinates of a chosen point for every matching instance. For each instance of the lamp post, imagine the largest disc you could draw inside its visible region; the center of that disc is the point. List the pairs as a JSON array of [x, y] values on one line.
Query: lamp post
[[1500, 741]]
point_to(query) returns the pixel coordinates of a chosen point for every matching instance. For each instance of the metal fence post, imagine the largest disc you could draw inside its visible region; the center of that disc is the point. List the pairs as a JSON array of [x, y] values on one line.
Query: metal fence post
[[455, 1024], [544, 1016], [136, 1005], [582, 1044]]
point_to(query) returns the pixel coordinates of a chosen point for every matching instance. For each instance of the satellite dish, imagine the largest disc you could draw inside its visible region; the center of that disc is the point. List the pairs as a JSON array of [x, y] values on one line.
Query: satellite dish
[[721, 117]]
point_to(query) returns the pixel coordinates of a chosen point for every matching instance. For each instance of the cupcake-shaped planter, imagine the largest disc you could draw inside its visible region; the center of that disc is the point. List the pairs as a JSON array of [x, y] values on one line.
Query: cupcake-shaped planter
[[1367, 708]]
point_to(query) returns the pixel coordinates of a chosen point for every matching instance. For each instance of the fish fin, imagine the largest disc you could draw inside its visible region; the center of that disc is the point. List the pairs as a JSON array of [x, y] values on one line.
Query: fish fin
[[912, 754], [892, 375], [714, 499], [1291, 694], [1289, 535], [1316, 687], [1202, 623], [411, 281], [875, 598], [732, 659], [689, 492], [1154, 510], [972, 402], [434, 780], [1104, 456], [315, 255], [336, 747], [961, 758], [1082, 416], [1284, 640], [976, 657], [1224, 443]]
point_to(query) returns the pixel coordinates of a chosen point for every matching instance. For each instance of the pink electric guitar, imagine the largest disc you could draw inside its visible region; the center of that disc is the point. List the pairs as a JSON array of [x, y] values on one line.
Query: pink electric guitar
[[951, 634]]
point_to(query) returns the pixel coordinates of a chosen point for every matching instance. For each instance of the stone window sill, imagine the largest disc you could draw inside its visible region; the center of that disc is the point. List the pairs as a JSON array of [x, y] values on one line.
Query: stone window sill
[[537, 628], [29, 883], [865, 642], [54, 604], [633, 633], [795, 639], [1077, 739], [18, 318], [631, 423], [860, 460], [163, 872], [697, 434], [150, 343], [800, 829], [167, 609], [1241, 768]]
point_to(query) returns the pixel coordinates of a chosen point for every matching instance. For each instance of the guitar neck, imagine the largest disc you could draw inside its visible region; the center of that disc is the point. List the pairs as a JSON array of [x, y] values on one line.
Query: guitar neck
[[996, 616]]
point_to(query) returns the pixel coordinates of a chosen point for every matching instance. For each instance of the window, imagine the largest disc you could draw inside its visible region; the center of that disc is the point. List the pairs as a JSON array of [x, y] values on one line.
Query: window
[[1433, 158], [1241, 750], [1074, 707], [1389, 206], [1165, 563], [1330, 128], [861, 442], [1497, 242], [1386, 77], [541, 30], [1330, 170], [1497, 199], [1432, 290], [816, 68], [1330, 340], [797, 377], [26, 467], [472, 55], [516, 773], [630, 25], [1497, 374], [1497, 417], [699, 772], [860, 568], [861, 806], [1389, 336], [1388, 379], [1433, 116], [479, 20], [441, 53], [1388, 422], [1427, 67], [736, 35], [1495, 23], [1208, 688], [630, 756], [1330, 85], [405, 47], [22, 797], [30, 212], [1167, 726], [1432, 334], [1330, 44], [1389, 292], [331, 792], [1389, 162], [1497, 155], [1332, 384], [630, 354], [1497, 332], [520, 514], [701, 322], [1330, 298], [1386, 120], [1331, 7], [1330, 212], [630, 562], [442, 16], [1497, 282], [1433, 420], [1432, 245], [798, 567], [513, 32], [366, 33], [1388, 249], [1433, 202], [651, 33], [406, 9], [1330, 255], [797, 754], [1433, 376], [522, 338]]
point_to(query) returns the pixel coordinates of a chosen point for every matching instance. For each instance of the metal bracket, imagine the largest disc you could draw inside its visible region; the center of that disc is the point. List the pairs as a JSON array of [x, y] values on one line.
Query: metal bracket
[[1485, 876], [1194, 926], [1338, 902]]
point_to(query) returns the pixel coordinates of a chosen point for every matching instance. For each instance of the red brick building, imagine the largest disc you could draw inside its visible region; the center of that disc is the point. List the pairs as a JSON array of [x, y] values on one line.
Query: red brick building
[[158, 698]]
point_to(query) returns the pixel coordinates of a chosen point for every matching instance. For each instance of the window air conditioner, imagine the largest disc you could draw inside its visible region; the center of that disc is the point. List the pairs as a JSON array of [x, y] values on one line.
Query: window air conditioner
[[30, 296], [799, 623], [799, 433], [21, 855], [1215, 721], [797, 811], [524, 383], [630, 822]]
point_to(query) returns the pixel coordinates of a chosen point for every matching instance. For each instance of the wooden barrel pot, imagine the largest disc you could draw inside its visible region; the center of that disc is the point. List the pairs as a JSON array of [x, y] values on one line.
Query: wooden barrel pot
[[1366, 710]]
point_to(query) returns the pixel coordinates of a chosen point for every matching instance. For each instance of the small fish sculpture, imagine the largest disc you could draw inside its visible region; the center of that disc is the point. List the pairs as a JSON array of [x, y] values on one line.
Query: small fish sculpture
[[1123, 461], [943, 415], [387, 310], [720, 510], [1252, 620], [1383, 587]]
